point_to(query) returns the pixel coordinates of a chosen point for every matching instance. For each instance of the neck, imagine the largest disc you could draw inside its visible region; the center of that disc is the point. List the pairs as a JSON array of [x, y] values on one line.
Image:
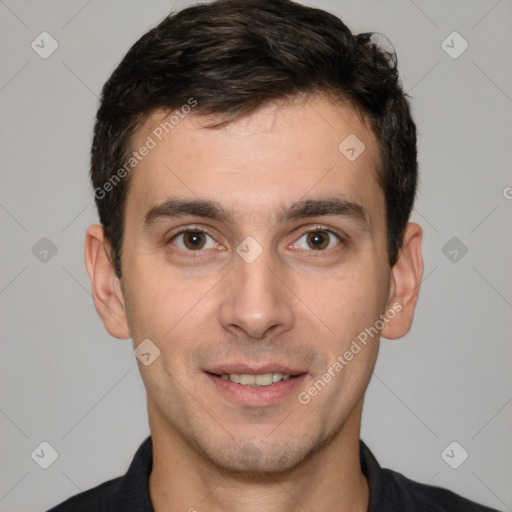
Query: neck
[[329, 479]]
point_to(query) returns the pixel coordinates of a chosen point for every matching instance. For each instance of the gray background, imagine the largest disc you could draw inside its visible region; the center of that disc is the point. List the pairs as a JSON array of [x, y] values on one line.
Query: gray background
[[65, 381]]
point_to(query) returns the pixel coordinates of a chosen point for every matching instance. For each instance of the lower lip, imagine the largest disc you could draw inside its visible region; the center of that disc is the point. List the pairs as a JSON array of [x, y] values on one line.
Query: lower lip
[[257, 396]]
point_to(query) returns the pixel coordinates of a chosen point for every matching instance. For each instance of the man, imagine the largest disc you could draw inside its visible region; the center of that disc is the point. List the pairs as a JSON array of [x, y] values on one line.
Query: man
[[254, 167]]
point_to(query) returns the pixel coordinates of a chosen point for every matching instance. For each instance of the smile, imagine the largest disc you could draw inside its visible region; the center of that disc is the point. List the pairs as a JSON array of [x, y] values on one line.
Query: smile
[[264, 379], [258, 389]]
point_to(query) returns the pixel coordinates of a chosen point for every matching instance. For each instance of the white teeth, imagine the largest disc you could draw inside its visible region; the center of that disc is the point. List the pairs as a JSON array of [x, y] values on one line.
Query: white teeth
[[247, 380], [265, 379]]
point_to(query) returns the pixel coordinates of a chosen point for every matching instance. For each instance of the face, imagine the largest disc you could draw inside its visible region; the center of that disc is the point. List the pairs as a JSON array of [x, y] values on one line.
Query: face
[[254, 256]]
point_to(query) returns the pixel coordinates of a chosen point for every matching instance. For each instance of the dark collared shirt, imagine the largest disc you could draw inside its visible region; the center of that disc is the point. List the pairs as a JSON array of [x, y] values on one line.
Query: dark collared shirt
[[389, 491]]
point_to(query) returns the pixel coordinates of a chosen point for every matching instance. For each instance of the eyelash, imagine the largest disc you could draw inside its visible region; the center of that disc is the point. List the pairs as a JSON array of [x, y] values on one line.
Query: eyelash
[[321, 229], [189, 230], [316, 229]]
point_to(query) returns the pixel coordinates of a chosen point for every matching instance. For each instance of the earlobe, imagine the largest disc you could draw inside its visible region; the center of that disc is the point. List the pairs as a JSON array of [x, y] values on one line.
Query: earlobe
[[106, 290], [406, 277]]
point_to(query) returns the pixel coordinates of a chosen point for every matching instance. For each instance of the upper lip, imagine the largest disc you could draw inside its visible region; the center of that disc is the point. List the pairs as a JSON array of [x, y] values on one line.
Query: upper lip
[[248, 369]]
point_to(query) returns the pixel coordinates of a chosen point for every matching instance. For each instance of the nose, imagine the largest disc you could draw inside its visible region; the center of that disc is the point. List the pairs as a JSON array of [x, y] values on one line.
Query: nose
[[256, 298]]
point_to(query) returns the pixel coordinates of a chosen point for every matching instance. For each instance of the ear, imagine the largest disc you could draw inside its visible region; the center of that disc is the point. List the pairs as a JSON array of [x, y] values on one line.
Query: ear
[[106, 288], [406, 277]]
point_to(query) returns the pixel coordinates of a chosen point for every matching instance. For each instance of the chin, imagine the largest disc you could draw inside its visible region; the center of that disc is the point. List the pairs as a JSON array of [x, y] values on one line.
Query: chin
[[260, 456]]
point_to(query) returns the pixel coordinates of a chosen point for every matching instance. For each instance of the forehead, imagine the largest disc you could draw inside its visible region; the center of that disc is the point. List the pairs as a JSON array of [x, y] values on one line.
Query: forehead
[[296, 150]]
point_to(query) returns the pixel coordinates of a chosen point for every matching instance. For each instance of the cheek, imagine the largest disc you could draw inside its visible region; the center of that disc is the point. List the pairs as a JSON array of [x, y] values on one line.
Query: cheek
[[350, 306], [347, 301], [172, 311], [154, 302]]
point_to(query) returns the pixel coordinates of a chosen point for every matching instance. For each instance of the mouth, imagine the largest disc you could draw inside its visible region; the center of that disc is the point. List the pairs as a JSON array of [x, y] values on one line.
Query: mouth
[[255, 380], [255, 387]]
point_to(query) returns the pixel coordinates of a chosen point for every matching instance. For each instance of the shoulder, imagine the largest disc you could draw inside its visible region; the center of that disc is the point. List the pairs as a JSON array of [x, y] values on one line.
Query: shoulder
[[128, 493], [391, 491], [101, 498], [419, 497]]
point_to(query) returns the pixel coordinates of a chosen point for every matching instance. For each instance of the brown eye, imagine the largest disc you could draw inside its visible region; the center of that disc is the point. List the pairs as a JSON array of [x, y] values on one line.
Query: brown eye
[[193, 240], [318, 240]]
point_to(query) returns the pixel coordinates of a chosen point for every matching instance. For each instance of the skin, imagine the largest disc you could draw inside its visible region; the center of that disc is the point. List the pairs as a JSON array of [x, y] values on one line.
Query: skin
[[294, 304]]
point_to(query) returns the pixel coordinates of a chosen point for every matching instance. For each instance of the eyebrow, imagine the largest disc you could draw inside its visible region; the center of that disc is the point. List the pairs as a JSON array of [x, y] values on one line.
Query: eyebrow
[[176, 208]]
